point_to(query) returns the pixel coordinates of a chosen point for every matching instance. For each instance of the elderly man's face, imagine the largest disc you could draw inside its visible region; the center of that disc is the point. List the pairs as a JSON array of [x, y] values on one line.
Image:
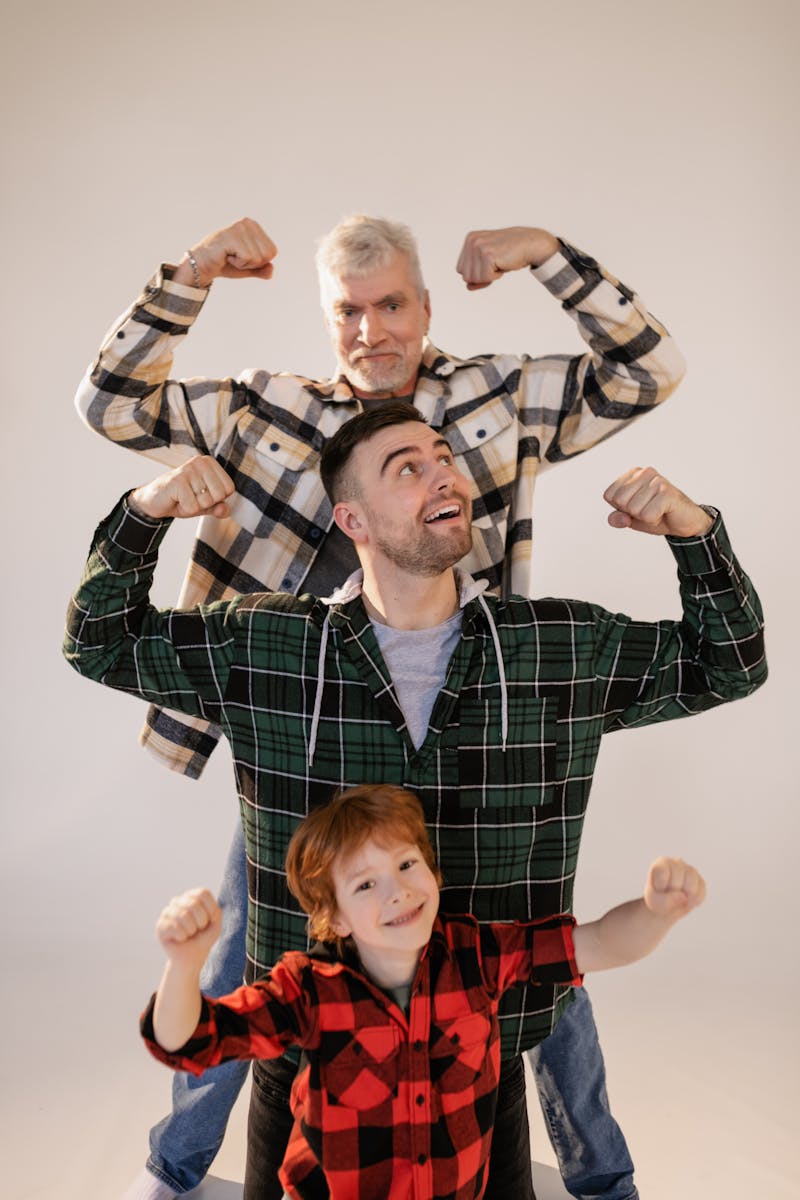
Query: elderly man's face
[[377, 324]]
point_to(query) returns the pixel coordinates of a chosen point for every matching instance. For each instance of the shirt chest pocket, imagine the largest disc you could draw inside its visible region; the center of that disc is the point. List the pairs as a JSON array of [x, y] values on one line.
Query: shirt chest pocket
[[267, 459], [524, 774], [364, 1073], [458, 1051]]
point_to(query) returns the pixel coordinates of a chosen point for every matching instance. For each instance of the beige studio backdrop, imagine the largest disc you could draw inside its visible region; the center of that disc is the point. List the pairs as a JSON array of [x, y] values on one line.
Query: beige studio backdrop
[[658, 137]]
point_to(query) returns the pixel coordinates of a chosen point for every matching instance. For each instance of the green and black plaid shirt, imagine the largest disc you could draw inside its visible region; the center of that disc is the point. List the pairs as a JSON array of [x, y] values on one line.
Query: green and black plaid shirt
[[504, 416], [308, 707]]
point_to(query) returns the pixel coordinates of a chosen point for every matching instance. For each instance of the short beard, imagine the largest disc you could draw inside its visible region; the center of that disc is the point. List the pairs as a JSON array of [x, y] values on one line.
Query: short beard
[[429, 557], [386, 380]]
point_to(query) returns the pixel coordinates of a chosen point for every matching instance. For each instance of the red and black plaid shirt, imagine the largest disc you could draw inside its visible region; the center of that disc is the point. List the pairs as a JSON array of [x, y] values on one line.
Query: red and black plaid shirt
[[386, 1105]]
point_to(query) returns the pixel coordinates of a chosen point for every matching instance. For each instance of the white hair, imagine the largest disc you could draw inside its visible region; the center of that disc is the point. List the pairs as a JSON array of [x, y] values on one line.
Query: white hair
[[360, 244]]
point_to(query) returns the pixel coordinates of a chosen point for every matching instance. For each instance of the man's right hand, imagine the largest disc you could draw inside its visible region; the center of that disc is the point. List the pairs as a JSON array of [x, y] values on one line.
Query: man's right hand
[[241, 251], [198, 488]]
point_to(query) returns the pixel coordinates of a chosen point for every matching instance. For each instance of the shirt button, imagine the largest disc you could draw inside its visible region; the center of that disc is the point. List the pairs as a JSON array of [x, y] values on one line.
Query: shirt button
[[622, 300], [420, 1099], [286, 584], [422, 1159], [481, 433], [418, 1046], [274, 446], [120, 333], [316, 534]]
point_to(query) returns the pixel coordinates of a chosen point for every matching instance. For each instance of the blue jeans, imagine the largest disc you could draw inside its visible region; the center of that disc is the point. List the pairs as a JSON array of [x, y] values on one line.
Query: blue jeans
[[571, 1080], [184, 1145], [568, 1067]]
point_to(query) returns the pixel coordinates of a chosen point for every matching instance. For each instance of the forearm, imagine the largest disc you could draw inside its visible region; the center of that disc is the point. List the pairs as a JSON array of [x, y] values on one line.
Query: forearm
[[127, 395], [116, 637], [623, 935], [632, 365], [177, 1006], [660, 671]]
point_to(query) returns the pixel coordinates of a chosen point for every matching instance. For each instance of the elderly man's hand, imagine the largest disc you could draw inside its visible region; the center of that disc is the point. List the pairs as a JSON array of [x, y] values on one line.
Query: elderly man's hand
[[240, 251], [647, 502], [489, 253], [197, 488]]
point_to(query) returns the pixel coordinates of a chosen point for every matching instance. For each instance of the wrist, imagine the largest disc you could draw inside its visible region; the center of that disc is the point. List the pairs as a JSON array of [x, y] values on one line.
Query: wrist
[[543, 246], [192, 271]]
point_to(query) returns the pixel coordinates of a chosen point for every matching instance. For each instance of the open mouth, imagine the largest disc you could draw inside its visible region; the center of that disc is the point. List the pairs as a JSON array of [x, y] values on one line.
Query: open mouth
[[445, 513]]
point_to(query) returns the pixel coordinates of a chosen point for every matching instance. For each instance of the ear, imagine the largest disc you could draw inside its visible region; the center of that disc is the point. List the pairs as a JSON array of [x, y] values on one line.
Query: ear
[[348, 516], [339, 927]]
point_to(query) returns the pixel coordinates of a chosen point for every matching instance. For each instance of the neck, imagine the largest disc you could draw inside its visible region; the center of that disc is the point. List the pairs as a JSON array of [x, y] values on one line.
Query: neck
[[389, 971], [409, 601]]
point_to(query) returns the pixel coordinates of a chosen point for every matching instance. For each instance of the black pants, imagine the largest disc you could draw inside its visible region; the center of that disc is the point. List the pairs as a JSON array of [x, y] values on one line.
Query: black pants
[[270, 1122]]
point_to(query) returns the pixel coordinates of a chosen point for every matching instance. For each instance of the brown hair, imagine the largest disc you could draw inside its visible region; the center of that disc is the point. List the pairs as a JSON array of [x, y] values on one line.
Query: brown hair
[[338, 449], [380, 811]]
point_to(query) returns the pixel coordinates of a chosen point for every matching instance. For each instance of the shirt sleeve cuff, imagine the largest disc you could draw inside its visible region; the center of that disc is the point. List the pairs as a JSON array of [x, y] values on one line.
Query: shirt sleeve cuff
[[133, 532], [705, 553], [576, 278], [170, 302]]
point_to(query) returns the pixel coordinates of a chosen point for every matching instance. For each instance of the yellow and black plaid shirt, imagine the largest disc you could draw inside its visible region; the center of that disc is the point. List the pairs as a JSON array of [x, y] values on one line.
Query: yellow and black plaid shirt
[[504, 416]]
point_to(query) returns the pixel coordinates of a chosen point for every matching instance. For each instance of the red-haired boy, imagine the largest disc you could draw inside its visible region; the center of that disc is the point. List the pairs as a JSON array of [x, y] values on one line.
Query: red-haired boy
[[395, 1007]]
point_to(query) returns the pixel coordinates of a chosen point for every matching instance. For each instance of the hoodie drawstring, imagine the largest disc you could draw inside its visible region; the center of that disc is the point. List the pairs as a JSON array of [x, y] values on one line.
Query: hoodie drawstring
[[500, 670], [312, 740]]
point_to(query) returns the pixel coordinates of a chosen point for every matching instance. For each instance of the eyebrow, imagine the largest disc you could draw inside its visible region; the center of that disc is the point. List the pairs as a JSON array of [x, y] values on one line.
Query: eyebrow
[[390, 298], [401, 450]]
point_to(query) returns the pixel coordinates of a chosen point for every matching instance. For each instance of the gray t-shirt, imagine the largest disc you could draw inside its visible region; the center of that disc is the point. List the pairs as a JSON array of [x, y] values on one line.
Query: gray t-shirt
[[417, 660]]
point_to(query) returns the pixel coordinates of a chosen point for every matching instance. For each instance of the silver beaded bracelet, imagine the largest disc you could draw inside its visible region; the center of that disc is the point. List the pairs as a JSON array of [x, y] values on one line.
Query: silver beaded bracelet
[[195, 271]]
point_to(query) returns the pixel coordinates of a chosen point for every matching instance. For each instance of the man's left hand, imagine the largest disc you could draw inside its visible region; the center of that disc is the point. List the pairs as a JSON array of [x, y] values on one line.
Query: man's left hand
[[489, 253], [647, 502]]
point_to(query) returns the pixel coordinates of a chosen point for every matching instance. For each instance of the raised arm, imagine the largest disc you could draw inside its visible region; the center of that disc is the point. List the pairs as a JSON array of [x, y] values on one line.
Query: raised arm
[[632, 930], [655, 671], [187, 929], [127, 395], [568, 404], [115, 636]]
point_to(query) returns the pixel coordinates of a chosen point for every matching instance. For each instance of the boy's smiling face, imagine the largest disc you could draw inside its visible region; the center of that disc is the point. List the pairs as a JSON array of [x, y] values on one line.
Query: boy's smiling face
[[386, 900]]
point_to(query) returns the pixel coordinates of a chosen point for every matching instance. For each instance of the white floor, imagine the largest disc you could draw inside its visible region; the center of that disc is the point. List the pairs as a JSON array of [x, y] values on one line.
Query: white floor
[[709, 1106]]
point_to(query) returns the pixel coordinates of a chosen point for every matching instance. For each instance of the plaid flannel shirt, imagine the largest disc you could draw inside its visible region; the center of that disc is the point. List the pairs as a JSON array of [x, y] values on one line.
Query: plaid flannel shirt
[[387, 1106], [504, 417], [303, 695]]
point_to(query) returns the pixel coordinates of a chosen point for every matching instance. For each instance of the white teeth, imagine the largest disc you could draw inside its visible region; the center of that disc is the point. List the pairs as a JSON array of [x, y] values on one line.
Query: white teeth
[[452, 510]]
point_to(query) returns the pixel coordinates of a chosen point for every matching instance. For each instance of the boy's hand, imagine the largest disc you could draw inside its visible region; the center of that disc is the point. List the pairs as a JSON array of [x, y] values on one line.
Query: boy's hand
[[189, 926], [673, 888]]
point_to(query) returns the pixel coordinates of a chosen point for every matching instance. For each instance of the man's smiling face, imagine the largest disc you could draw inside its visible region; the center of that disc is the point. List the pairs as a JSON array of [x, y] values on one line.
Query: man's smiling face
[[412, 502], [377, 325]]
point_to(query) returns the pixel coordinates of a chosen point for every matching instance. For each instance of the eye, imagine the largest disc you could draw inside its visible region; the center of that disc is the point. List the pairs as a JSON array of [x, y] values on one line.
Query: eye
[[393, 307], [365, 885], [447, 459], [407, 469], [408, 863]]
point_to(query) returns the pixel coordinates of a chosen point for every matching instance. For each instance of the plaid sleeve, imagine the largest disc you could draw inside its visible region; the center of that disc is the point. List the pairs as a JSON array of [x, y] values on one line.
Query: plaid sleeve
[[116, 637], [259, 1020], [540, 952], [660, 671], [127, 397], [631, 366]]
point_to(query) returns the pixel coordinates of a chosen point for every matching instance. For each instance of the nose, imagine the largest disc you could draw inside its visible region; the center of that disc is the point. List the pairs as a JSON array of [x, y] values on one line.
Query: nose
[[443, 478], [398, 889], [370, 327]]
